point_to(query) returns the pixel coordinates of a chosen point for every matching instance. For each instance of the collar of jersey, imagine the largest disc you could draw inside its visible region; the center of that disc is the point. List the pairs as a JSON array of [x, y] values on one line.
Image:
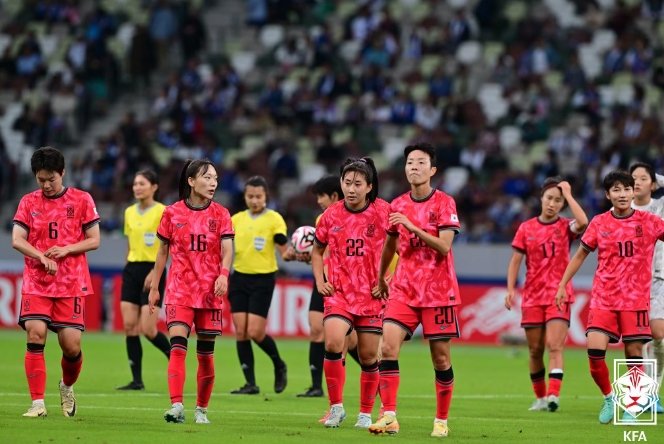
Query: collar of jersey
[[624, 217], [191, 207], [350, 210], [424, 199], [60, 194], [548, 223]]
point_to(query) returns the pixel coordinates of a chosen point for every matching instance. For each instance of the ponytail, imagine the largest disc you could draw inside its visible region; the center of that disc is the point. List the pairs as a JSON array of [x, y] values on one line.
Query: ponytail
[[367, 168]]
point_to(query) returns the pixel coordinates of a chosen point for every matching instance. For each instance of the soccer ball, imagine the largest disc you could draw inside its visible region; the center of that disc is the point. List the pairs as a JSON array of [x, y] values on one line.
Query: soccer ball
[[303, 239]]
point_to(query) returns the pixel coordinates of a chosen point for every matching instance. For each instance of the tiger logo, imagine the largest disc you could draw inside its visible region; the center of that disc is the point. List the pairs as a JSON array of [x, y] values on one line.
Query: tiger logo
[[635, 391]]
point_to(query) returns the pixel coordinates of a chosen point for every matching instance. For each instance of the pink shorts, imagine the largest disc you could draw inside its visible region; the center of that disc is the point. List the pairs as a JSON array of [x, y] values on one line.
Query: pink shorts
[[630, 325], [539, 315], [56, 312], [362, 324], [206, 320], [437, 322]]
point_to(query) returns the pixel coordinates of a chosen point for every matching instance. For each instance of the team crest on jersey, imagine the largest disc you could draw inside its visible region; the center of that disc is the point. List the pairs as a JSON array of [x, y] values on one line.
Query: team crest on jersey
[[171, 312], [639, 231], [371, 230], [212, 225], [432, 217], [70, 211]]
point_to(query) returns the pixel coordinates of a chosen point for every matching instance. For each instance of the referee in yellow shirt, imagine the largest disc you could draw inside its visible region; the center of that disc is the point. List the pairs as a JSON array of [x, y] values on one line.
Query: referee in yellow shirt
[[140, 226], [259, 233]]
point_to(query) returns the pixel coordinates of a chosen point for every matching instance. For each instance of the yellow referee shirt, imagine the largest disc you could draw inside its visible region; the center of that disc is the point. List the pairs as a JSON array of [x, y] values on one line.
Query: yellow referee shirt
[[254, 241], [140, 227]]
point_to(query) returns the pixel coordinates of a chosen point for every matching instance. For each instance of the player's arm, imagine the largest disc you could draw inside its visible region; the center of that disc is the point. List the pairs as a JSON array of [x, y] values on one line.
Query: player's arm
[[570, 271], [91, 242], [512, 273], [281, 244], [324, 288], [20, 243], [381, 290], [441, 243], [221, 284], [159, 265], [580, 218]]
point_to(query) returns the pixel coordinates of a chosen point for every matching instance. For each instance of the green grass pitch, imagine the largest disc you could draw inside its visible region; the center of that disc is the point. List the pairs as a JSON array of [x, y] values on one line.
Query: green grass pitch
[[491, 397]]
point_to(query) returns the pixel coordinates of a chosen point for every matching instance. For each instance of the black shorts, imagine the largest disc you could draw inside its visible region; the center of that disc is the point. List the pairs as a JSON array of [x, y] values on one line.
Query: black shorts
[[316, 302], [133, 277], [251, 293]]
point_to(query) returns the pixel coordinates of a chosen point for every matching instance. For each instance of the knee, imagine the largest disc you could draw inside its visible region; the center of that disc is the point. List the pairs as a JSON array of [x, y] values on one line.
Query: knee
[[131, 329], [333, 346], [241, 335], [71, 350], [389, 351], [255, 333], [36, 337], [367, 359], [536, 352], [441, 362], [316, 334], [554, 348], [149, 330]]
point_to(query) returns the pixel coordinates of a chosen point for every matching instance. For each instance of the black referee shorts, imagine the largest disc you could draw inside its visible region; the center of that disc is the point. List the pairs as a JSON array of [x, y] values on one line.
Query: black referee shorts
[[133, 277], [251, 293], [316, 302]]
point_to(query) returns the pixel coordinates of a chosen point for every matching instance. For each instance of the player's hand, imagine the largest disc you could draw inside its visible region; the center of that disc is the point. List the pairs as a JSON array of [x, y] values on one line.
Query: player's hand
[[398, 218], [509, 297], [148, 281], [565, 188], [50, 265], [56, 252], [153, 298], [221, 285], [303, 257], [381, 290], [289, 254], [325, 289], [561, 295]]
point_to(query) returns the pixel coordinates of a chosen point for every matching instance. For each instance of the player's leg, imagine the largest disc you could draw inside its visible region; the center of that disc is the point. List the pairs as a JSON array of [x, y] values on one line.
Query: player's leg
[[148, 321], [556, 334], [394, 334], [535, 338], [72, 361], [442, 363], [245, 354], [655, 348], [351, 347], [367, 346], [130, 319], [597, 342], [35, 366], [180, 319], [208, 327], [316, 353], [336, 328], [259, 307]]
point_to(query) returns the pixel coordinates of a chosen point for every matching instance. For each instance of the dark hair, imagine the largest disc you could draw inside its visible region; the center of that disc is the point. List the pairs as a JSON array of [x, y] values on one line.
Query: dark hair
[[649, 169], [192, 168], [425, 147], [619, 176], [257, 181], [150, 175], [328, 185], [49, 159], [550, 182], [366, 167]]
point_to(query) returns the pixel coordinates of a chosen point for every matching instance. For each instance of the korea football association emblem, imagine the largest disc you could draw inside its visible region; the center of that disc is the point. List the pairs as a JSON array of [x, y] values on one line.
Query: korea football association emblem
[[635, 392]]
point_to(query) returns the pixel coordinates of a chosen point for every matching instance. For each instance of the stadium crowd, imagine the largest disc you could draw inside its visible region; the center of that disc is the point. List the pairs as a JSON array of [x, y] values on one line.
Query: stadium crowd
[[509, 92]]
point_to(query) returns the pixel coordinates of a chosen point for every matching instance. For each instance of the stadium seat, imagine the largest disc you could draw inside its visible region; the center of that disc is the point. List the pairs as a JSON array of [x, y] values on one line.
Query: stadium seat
[[469, 52], [243, 62], [271, 36]]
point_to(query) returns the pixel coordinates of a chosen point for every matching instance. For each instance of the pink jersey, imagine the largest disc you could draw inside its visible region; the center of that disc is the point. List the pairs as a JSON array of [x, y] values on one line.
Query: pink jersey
[[424, 277], [546, 246], [194, 241], [57, 221], [354, 240], [624, 262]]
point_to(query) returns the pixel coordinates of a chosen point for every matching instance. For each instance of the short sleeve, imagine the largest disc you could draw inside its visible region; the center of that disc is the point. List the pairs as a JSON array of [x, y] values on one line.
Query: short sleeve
[[659, 227], [125, 230], [448, 218], [227, 231], [165, 230], [519, 242], [589, 239], [22, 218], [279, 224], [392, 230], [322, 229], [90, 215]]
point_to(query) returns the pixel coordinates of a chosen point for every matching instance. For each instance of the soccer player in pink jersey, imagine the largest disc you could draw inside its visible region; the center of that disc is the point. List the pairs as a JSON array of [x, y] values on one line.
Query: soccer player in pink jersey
[[620, 298], [545, 241], [352, 231], [54, 227], [198, 235], [424, 288]]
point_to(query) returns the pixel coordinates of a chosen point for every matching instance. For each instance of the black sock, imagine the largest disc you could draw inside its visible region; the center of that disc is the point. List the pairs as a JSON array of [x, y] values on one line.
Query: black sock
[[270, 348], [353, 353], [135, 354], [161, 342], [316, 355], [246, 355]]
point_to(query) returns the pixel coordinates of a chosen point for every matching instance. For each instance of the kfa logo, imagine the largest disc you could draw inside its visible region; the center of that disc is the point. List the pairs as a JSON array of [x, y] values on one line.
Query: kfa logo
[[212, 225], [639, 231], [634, 436], [371, 230], [635, 392], [70, 211]]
